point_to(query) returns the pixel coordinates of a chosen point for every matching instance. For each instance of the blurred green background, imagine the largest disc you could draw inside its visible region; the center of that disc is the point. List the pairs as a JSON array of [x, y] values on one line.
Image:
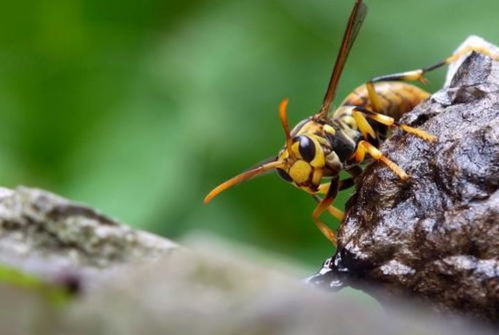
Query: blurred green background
[[139, 108]]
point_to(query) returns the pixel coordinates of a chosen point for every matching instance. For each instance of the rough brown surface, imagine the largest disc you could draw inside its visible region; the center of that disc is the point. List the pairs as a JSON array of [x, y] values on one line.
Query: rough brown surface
[[437, 235]]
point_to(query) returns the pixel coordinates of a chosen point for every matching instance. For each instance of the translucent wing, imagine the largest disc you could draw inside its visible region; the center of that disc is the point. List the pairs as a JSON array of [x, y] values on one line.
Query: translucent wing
[[357, 16]]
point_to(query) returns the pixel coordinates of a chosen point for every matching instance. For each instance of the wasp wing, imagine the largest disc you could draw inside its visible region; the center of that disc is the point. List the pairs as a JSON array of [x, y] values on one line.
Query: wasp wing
[[357, 16]]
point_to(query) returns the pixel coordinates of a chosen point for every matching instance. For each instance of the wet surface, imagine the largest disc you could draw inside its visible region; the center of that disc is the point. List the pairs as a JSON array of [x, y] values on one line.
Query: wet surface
[[435, 236]]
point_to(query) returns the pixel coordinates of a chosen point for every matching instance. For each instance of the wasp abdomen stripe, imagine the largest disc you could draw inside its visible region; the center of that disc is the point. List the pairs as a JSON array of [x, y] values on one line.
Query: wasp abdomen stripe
[[396, 98]]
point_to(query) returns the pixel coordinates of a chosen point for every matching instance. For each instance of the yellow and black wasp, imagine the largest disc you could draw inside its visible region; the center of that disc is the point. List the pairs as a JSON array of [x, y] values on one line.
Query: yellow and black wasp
[[324, 144]]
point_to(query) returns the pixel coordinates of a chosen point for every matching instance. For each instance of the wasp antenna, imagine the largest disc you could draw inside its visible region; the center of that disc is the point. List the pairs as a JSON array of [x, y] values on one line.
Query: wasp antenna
[[242, 177], [283, 115]]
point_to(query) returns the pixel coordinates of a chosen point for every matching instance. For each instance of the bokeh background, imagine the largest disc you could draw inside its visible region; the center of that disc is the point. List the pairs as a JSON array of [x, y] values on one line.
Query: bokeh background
[[139, 108]]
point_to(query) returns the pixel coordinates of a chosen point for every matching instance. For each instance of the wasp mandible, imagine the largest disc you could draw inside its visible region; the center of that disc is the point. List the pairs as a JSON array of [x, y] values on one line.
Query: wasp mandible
[[321, 146]]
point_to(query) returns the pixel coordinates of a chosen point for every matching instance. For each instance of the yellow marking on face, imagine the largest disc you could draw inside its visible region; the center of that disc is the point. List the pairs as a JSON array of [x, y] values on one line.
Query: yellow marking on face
[[319, 160], [300, 171], [317, 176], [295, 147]]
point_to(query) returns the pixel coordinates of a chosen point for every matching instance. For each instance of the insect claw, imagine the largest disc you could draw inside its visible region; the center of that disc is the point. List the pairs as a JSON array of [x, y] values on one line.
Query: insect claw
[[423, 80]]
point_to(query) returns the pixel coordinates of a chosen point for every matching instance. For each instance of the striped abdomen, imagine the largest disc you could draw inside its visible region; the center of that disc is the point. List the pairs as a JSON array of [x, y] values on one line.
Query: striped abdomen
[[397, 98]]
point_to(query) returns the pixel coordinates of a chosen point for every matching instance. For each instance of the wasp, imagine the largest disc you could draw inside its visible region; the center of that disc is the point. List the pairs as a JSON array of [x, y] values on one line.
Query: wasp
[[321, 146]]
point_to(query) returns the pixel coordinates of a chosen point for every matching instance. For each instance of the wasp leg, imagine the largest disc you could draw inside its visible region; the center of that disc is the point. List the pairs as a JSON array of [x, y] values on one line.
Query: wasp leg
[[471, 48], [365, 147], [331, 189], [354, 171], [365, 128], [325, 204], [343, 184], [390, 121], [418, 75], [325, 230], [346, 183]]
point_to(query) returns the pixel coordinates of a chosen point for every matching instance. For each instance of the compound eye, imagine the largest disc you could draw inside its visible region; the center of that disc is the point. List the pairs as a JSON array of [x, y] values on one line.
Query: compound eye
[[306, 148], [284, 175]]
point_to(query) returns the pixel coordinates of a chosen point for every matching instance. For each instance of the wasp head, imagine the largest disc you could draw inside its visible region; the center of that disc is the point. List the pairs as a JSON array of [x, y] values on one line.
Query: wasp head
[[305, 159], [302, 162]]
